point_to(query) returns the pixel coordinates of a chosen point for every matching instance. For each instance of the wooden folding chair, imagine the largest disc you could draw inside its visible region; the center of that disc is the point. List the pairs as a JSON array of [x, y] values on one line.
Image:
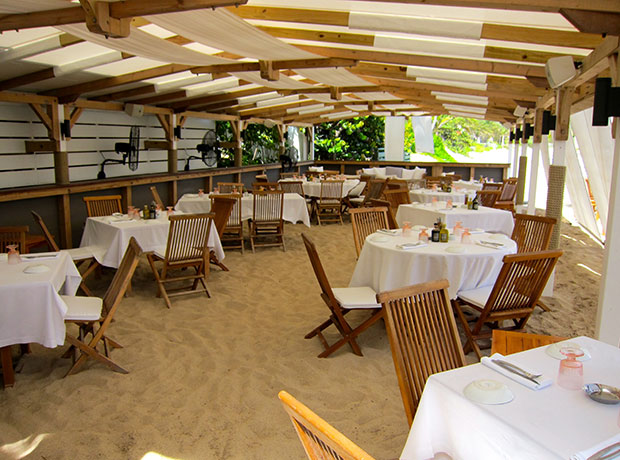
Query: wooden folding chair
[[374, 191], [396, 184], [392, 224], [329, 205], [265, 186], [513, 297], [429, 181], [292, 187], [157, 198], [13, 235], [102, 205], [508, 342], [230, 187], [187, 247], [366, 221], [221, 206], [320, 440], [89, 313], [488, 197], [288, 175], [532, 233], [423, 337], [341, 301], [396, 197], [233, 232], [267, 218], [82, 257], [506, 199]]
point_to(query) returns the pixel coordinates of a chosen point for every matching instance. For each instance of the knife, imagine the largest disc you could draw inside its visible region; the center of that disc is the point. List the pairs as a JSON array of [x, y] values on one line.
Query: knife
[[516, 370]]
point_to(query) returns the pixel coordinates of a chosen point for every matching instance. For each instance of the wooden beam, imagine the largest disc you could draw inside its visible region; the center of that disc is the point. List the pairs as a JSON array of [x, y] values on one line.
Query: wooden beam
[[156, 145], [26, 98], [209, 116], [276, 65], [596, 62], [327, 90], [268, 71], [521, 55], [209, 99], [565, 100], [320, 36], [594, 22], [27, 79], [44, 117], [41, 146], [99, 20], [129, 93]]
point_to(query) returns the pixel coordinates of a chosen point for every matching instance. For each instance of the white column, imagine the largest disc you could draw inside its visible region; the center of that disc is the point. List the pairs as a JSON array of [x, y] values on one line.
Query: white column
[[531, 196], [608, 313], [394, 138], [515, 158], [544, 153], [511, 148]]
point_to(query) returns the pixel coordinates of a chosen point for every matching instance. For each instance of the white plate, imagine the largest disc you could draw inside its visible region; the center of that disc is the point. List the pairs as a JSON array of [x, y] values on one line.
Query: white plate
[[553, 350], [456, 249], [379, 238], [117, 214], [33, 269], [488, 392], [498, 237]]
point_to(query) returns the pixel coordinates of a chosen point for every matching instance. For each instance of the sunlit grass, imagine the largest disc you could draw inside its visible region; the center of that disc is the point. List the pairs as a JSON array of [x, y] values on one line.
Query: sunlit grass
[[22, 448]]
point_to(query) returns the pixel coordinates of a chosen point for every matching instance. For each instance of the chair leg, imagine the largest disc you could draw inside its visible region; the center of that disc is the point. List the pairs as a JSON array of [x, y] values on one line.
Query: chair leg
[[89, 351], [471, 341], [8, 374], [543, 305]]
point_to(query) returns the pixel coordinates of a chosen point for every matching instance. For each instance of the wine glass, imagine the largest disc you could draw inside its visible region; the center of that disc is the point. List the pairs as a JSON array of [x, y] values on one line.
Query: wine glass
[[170, 210], [570, 374], [13, 255], [406, 228]]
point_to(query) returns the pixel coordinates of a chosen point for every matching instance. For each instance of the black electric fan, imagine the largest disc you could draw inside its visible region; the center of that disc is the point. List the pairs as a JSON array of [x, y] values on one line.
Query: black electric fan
[[130, 151], [209, 150]]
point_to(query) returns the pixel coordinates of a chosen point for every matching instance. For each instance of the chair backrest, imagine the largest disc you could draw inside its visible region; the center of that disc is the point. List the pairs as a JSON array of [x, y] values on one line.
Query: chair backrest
[[267, 206], [331, 190], [492, 186], [265, 186], [221, 207], [366, 221], [423, 337], [102, 205], [396, 197], [532, 233], [395, 184], [234, 220], [261, 178], [392, 224], [436, 180], [187, 238], [375, 190], [13, 235], [509, 190], [508, 342], [317, 266], [292, 187], [519, 284], [488, 197], [320, 440], [157, 198], [230, 187], [46, 233], [454, 177], [288, 175], [121, 282]]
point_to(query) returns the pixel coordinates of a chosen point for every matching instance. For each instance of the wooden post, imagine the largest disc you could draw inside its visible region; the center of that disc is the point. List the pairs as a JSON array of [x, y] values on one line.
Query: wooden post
[[127, 197], [237, 130], [64, 221]]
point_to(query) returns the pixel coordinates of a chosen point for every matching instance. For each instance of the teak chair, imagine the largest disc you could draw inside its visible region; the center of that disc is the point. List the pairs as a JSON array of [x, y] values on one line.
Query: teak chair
[[288, 175], [80, 256], [188, 236], [429, 181], [513, 297], [90, 312], [267, 218], [492, 186], [320, 440], [102, 205], [157, 198], [532, 233], [230, 187], [221, 207], [488, 197], [395, 184], [508, 342], [341, 301], [506, 199], [374, 191], [396, 197], [265, 186], [292, 187], [423, 337], [14, 235], [329, 205], [392, 224], [366, 221], [233, 232]]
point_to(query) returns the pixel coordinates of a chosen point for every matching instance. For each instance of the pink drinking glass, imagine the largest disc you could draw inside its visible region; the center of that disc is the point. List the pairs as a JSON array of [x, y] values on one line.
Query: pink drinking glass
[[570, 374], [423, 236], [170, 210], [201, 192], [13, 254], [406, 228], [466, 237]]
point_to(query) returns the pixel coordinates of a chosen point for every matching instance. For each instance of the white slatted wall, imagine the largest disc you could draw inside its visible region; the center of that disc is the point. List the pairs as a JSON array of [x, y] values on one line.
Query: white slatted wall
[[93, 139]]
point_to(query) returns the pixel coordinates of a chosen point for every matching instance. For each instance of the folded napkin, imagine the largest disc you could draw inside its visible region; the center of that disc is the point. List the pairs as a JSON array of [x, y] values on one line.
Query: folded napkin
[[39, 256], [121, 221], [476, 231], [386, 231], [493, 243], [487, 244], [417, 244], [600, 448], [544, 381]]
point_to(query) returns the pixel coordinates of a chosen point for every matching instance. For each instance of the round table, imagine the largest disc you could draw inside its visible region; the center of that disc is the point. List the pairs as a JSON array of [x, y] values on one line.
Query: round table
[[426, 196], [313, 189], [467, 185], [384, 267]]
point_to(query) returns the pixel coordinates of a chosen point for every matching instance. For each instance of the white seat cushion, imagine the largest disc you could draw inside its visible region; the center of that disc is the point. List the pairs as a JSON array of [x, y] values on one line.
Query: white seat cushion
[[478, 296], [356, 297], [359, 188], [408, 174], [418, 173], [81, 308], [78, 254], [368, 171], [380, 172]]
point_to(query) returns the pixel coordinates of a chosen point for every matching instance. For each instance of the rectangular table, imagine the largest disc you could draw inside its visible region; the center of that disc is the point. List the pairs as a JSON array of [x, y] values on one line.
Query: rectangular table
[[488, 219], [295, 208], [109, 236], [31, 310], [552, 423]]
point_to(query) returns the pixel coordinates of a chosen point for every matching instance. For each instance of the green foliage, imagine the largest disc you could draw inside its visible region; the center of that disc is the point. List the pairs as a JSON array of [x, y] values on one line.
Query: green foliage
[[256, 138], [358, 138]]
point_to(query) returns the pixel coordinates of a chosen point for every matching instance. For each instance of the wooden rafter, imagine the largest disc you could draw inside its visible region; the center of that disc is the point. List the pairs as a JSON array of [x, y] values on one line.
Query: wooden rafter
[[276, 65]]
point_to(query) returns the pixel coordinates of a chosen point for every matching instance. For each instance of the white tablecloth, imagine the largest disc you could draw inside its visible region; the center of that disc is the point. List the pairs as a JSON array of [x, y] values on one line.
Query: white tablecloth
[[472, 186], [489, 219], [295, 208], [110, 239], [552, 423], [31, 309], [313, 189], [384, 267], [424, 195]]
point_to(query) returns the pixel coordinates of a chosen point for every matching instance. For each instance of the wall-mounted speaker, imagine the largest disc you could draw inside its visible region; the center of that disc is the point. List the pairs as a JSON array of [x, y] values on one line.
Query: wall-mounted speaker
[[520, 111], [606, 102], [134, 110], [177, 132], [559, 70]]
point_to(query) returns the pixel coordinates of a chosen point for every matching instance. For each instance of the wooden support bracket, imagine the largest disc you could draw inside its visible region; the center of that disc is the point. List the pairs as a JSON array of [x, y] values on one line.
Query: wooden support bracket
[[99, 21], [157, 145], [267, 71], [42, 146]]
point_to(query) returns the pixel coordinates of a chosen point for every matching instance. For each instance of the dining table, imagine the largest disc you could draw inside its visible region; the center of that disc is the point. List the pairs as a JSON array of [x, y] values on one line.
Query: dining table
[[488, 219], [384, 265], [468, 185], [294, 209], [427, 195], [108, 236], [32, 309], [547, 423], [312, 188]]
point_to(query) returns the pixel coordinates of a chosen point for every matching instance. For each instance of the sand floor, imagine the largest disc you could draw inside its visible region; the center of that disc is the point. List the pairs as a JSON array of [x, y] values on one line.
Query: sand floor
[[204, 375]]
